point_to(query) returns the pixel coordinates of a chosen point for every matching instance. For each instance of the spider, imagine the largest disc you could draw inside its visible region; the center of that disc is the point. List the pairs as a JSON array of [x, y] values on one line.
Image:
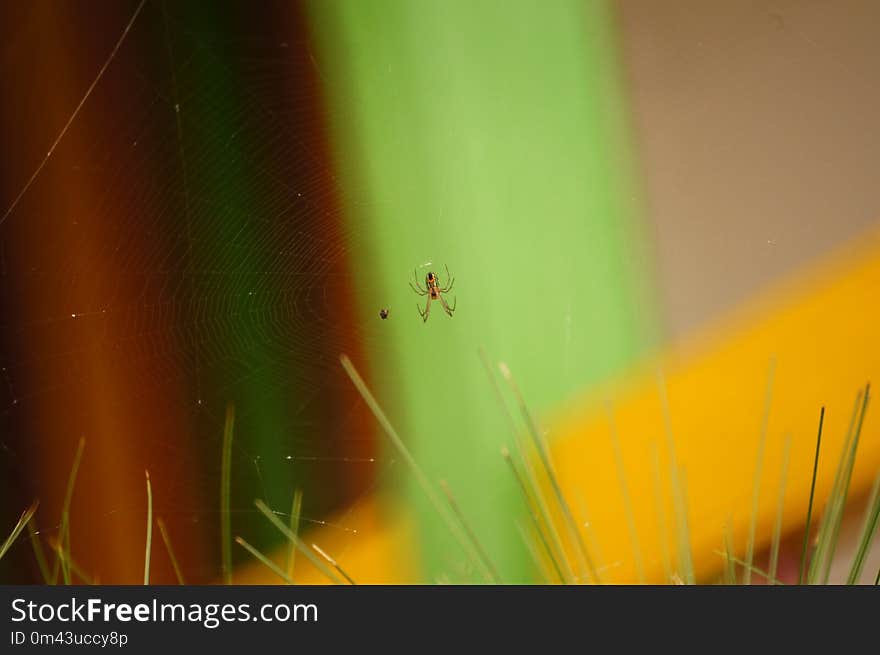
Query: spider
[[433, 290]]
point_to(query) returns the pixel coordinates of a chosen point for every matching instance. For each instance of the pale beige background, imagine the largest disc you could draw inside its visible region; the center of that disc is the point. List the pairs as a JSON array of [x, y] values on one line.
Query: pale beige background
[[758, 129]]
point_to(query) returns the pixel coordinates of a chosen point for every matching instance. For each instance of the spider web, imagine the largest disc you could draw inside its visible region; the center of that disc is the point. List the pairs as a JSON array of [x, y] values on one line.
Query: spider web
[[180, 247]]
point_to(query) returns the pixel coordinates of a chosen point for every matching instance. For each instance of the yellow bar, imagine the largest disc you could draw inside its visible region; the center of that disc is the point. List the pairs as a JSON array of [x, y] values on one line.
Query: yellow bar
[[822, 329]]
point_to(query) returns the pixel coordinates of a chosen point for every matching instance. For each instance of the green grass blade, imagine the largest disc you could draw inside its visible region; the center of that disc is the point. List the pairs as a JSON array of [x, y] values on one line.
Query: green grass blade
[[23, 520], [332, 562], [729, 563], [39, 554], [65, 516], [536, 556], [487, 365], [296, 541], [68, 561], [844, 489], [167, 541], [456, 509], [810, 504], [592, 543], [555, 557], [627, 501], [659, 506], [584, 560], [780, 505], [149, 545], [823, 534], [755, 569], [756, 481], [269, 564], [548, 533], [295, 511], [679, 496], [540, 498], [415, 469], [536, 492], [684, 532], [869, 529], [225, 483]]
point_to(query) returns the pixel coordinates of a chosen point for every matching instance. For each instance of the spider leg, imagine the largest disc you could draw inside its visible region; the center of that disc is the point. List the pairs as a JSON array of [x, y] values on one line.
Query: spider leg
[[424, 314], [417, 287], [450, 278], [446, 307]]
